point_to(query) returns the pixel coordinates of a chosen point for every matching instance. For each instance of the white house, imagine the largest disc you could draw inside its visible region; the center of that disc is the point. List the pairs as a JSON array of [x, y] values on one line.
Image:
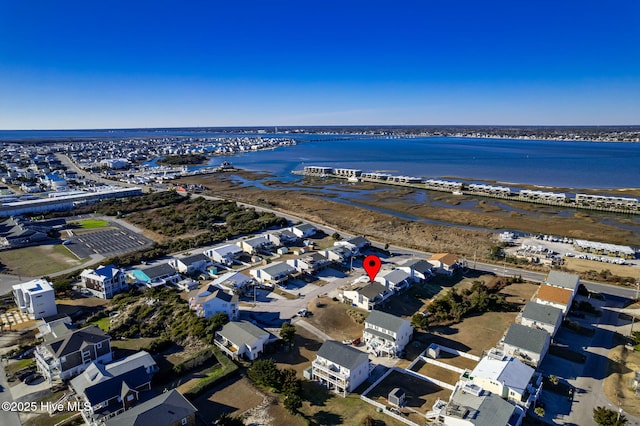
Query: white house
[[469, 408], [241, 339], [355, 244], [339, 367], [104, 281], [282, 238], [309, 263], [395, 280], [190, 264], [386, 334], [507, 377], [563, 280], [418, 269], [272, 274], [558, 297], [36, 298], [526, 343], [208, 302], [338, 254], [225, 255], [545, 317], [304, 230], [232, 282], [366, 296]]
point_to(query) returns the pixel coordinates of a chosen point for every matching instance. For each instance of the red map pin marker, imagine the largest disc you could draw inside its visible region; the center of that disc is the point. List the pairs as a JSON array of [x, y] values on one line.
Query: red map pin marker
[[372, 265]]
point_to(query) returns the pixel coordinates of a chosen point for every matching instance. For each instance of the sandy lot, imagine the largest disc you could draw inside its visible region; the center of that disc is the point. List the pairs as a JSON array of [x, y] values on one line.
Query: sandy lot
[[616, 386], [333, 319], [438, 373]]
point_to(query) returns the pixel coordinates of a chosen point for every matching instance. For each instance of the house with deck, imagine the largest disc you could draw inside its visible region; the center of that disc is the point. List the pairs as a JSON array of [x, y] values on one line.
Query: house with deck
[[242, 339], [169, 408], [66, 353], [366, 296], [104, 281], [419, 270], [445, 263], [526, 343], [191, 264], [256, 245], [309, 263], [212, 300], [395, 280], [155, 276], [276, 273], [304, 230], [386, 334], [339, 367], [542, 316], [233, 282]]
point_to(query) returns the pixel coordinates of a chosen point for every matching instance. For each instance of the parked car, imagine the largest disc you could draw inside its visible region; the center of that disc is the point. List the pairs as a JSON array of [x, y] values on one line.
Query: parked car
[[303, 312], [32, 378]]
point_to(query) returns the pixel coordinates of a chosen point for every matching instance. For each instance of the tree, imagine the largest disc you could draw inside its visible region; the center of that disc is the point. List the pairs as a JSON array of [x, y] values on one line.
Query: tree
[[292, 402], [265, 372], [288, 333], [336, 236], [539, 411], [419, 320], [554, 379], [606, 417], [291, 384], [368, 421], [229, 420]]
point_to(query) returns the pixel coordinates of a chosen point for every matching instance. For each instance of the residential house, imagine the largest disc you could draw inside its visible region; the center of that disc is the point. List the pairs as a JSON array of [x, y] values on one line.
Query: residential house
[[563, 280], [529, 344], [338, 254], [395, 280], [557, 297], [304, 230], [255, 245], [282, 238], [356, 244], [242, 339], [366, 296], [507, 377], [35, 298], [65, 354], [467, 408], [212, 300], [386, 334], [156, 275], [339, 367], [445, 263], [225, 255], [191, 264], [108, 392], [167, 409], [542, 316], [309, 263], [233, 282], [104, 281], [418, 269], [275, 273]]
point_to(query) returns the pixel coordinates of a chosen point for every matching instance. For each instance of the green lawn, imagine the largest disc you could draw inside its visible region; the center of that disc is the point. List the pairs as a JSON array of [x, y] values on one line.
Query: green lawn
[[103, 324], [38, 260], [89, 223]]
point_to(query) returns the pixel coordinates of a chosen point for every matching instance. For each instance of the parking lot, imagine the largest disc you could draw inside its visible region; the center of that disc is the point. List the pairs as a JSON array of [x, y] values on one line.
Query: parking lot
[[106, 241]]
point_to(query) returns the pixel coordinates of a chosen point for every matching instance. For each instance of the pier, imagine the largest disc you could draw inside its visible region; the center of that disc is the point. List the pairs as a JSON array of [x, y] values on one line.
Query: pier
[[625, 205]]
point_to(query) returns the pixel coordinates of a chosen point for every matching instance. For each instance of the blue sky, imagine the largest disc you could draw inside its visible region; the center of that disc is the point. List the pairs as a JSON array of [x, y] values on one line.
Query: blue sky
[[80, 64]]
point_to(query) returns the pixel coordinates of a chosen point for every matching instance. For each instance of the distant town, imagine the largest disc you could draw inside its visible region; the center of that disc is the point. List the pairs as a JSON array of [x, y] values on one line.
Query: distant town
[[128, 294]]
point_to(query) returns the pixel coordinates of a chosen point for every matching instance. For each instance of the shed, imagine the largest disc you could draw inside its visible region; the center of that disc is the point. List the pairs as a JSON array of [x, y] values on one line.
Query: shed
[[433, 351], [396, 397]]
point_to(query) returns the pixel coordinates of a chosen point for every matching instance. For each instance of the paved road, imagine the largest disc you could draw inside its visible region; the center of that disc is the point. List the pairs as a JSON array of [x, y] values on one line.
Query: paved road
[[6, 418]]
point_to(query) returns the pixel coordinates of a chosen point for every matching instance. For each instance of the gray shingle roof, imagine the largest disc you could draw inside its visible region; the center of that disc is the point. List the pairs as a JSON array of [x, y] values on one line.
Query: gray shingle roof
[[385, 321], [396, 276], [359, 241], [73, 341], [562, 279], [112, 387], [162, 270], [371, 290], [544, 314], [164, 409], [419, 265], [527, 338], [342, 355], [193, 259], [485, 410], [242, 333], [278, 268]]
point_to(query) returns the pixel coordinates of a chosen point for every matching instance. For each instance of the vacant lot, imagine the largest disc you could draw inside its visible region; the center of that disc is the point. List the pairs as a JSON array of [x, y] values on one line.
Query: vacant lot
[[456, 360], [235, 398], [622, 366], [304, 351], [333, 319], [39, 260], [421, 394], [89, 224], [584, 265], [438, 373]]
